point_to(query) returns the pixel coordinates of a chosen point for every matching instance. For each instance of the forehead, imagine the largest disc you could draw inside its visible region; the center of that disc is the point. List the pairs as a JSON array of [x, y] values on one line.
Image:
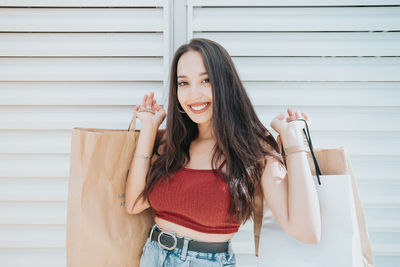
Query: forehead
[[190, 64]]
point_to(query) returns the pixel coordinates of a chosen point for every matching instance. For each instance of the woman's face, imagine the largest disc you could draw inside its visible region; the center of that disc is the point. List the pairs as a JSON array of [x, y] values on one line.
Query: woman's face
[[194, 87]]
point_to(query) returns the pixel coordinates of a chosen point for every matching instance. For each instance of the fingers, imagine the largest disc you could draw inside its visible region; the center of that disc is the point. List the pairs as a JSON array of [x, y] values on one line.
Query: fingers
[[296, 115], [291, 115], [148, 100], [144, 100], [305, 116], [149, 103]]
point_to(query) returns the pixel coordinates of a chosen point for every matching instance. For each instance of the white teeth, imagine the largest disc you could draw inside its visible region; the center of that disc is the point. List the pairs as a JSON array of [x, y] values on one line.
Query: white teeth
[[199, 107]]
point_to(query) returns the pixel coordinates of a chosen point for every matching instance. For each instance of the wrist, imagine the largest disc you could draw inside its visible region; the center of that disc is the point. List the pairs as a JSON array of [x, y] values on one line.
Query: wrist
[[148, 127], [294, 139], [292, 149], [293, 154]]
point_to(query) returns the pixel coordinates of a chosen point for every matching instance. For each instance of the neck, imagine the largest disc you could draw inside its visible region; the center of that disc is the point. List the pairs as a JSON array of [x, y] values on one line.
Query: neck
[[205, 131]]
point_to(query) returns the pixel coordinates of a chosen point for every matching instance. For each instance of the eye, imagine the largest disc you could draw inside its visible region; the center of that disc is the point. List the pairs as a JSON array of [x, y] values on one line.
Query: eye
[[208, 80], [181, 83]]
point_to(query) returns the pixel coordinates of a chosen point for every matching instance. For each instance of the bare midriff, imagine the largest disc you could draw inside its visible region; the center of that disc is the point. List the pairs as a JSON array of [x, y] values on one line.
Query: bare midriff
[[190, 233]]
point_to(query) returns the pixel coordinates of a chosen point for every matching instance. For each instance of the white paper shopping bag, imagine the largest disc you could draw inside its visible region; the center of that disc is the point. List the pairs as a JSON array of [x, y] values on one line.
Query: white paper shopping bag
[[340, 238]]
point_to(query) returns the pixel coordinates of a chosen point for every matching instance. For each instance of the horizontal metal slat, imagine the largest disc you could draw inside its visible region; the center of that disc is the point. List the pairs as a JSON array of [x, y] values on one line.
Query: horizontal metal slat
[[384, 226], [79, 93], [360, 143], [338, 119], [51, 257], [144, 3], [375, 166], [259, 3], [82, 20], [81, 69], [80, 3], [323, 94], [27, 141], [38, 212], [33, 189], [35, 165], [381, 250], [296, 19], [377, 190], [32, 236], [67, 117], [386, 201], [81, 44], [387, 238], [317, 69], [307, 43]]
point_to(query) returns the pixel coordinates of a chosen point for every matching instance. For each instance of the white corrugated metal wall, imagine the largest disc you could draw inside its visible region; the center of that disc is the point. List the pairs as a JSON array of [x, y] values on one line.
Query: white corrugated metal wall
[[86, 63], [338, 61], [65, 64]]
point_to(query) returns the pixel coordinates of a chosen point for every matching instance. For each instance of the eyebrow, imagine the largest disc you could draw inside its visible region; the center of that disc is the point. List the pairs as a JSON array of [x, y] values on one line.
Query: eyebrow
[[184, 76]]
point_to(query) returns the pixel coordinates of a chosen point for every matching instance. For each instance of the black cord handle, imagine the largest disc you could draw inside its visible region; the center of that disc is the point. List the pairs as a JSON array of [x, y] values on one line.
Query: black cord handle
[[308, 138]]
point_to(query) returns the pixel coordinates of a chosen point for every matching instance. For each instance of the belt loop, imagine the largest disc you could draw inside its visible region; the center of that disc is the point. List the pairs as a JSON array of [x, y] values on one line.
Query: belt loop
[[152, 230], [230, 250], [184, 248]]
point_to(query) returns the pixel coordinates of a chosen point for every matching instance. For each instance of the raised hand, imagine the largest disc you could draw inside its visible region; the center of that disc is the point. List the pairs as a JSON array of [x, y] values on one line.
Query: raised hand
[[290, 130], [149, 112]]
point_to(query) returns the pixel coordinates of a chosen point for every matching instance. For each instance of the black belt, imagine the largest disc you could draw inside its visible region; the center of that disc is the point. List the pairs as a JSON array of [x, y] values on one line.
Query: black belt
[[170, 241]]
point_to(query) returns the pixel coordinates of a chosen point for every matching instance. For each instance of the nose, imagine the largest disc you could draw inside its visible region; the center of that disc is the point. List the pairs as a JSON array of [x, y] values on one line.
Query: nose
[[195, 91]]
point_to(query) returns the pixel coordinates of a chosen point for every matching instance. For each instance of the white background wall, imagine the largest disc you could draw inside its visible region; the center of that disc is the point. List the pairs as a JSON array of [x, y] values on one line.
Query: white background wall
[[66, 64]]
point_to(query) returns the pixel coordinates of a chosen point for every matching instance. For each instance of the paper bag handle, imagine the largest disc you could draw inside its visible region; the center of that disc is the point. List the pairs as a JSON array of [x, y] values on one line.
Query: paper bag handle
[[132, 124]]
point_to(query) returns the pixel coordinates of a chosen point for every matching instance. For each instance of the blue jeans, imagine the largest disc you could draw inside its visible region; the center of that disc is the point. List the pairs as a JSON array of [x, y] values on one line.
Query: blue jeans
[[154, 255]]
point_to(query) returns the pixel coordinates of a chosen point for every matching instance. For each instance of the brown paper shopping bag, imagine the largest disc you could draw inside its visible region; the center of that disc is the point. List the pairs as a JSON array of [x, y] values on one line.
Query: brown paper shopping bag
[[331, 161], [100, 233]]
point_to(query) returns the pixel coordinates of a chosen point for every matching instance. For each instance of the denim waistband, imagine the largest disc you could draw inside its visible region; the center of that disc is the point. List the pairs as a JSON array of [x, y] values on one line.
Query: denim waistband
[[183, 252]]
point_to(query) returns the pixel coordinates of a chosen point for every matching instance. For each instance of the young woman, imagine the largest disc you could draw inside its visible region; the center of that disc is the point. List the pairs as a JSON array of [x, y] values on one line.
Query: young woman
[[215, 152]]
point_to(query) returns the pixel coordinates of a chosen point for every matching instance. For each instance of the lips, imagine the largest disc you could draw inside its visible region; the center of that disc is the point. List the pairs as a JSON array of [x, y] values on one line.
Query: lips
[[199, 107]]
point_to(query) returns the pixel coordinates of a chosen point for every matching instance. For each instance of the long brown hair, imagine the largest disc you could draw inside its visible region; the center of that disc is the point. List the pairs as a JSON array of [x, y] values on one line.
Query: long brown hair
[[240, 136]]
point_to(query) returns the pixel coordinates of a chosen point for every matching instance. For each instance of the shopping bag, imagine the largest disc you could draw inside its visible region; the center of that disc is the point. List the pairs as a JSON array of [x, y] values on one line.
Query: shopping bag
[[100, 233], [344, 238]]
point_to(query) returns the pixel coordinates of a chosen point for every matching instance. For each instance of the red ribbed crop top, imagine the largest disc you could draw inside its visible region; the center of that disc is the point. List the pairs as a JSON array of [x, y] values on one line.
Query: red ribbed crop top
[[195, 198]]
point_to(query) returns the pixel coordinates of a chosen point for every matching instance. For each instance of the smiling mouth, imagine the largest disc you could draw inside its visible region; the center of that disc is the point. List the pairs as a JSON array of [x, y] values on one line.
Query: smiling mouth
[[200, 108]]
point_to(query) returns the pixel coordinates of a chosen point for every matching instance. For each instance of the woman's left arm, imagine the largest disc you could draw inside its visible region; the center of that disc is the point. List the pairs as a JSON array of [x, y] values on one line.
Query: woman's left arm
[[290, 192]]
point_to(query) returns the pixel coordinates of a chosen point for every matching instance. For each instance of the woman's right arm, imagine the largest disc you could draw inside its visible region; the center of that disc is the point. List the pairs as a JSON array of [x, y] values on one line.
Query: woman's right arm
[[138, 171], [140, 166]]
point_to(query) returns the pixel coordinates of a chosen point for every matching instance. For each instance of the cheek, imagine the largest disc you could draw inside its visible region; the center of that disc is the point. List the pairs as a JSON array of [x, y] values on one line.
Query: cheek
[[209, 93], [181, 97]]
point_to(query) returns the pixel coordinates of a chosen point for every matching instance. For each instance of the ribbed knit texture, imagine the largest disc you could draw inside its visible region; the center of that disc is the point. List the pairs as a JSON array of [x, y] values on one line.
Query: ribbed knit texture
[[197, 199]]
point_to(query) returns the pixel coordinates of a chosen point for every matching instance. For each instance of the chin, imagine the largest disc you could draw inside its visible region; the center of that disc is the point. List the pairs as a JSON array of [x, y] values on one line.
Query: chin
[[200, 120]]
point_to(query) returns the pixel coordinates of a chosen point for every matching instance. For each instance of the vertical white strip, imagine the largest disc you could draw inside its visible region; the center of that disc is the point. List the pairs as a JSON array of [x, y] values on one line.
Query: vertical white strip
[[189, 20], [167, 39]]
